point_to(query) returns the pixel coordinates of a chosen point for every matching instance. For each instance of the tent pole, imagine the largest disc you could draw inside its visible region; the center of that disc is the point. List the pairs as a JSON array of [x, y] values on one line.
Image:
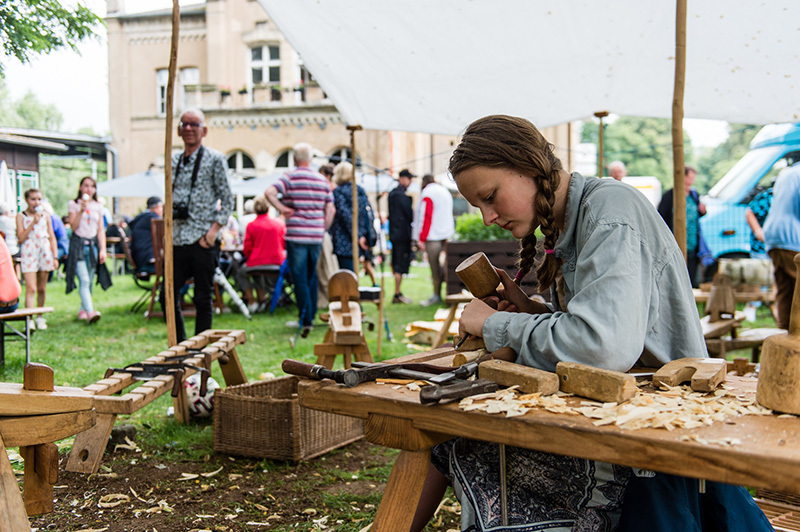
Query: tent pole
[[678, 197], [353, 159], [169, 281], [600, 153]]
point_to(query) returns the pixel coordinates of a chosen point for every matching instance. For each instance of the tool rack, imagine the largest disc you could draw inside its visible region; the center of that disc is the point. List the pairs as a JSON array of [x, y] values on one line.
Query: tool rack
[[87, 451]]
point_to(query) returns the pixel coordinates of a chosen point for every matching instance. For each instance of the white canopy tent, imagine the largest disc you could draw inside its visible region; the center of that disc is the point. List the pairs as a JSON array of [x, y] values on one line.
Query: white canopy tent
[[141, 185], [434, 67]]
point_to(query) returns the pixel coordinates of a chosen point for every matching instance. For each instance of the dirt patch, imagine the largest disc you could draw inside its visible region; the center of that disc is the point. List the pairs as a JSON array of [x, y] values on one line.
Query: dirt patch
[[134, 493]]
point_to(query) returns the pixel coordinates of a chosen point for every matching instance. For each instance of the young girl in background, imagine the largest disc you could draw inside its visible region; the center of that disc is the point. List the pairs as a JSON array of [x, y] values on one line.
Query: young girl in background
[[87, 247], [38, 249]]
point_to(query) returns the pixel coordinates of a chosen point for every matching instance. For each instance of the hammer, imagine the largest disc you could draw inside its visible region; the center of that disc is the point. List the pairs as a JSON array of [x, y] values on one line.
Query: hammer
[[480, 278]]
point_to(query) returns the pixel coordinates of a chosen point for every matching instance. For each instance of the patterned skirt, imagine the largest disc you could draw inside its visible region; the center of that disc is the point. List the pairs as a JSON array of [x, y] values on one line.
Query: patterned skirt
[[545, 492]]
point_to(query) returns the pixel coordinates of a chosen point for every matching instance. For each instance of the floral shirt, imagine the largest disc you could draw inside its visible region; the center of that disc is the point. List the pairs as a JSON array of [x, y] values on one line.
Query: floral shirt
[[209, 201]]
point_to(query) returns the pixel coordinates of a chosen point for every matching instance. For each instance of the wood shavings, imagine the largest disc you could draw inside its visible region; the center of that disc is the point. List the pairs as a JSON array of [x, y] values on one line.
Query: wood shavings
[[669, 408], [112, 499]]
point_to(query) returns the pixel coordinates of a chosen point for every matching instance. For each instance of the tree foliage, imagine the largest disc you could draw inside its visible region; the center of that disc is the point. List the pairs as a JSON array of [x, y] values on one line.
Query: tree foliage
[[31, 27], [715, 164], [643, 144]]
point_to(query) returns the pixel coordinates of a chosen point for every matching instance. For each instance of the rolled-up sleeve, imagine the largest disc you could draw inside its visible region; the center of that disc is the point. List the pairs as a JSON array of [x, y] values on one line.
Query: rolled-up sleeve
[[607, 315]]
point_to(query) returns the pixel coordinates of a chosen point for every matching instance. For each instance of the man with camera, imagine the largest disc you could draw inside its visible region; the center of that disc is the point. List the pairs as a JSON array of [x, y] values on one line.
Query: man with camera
[[199, 182]]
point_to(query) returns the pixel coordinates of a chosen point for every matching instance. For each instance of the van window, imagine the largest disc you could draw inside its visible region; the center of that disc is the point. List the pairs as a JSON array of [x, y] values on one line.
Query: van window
[[738, 176], [769, 178]]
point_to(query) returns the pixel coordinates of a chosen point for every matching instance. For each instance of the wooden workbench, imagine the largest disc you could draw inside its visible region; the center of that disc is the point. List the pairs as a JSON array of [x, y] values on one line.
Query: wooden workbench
[[768, 456]]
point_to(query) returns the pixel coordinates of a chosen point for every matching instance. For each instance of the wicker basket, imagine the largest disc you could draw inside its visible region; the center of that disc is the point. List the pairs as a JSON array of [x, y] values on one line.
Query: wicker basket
[[265, 420]]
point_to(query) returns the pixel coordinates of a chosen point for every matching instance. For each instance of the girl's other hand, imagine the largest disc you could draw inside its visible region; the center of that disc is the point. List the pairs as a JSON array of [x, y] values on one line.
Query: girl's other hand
[[514, 297], [101, 256], [473, 316]]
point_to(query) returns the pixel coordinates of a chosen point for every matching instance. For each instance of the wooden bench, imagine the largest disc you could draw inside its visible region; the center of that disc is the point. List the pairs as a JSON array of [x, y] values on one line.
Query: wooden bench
[[23, 314]]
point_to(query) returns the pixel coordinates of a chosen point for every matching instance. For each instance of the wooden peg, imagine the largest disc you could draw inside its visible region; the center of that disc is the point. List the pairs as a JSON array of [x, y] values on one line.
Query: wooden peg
[[37, 377]]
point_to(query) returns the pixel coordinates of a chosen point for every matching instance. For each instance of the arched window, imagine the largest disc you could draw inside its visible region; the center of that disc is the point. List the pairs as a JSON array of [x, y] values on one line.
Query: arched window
[[342, 154], [241, 164], [284, 159]]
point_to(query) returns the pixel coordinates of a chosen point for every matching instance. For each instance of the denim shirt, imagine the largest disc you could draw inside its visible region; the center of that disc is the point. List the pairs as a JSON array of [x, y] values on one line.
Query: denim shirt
[[626, 289]]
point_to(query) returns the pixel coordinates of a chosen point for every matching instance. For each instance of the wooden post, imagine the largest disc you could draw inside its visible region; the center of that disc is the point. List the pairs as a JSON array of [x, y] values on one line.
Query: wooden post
[[169, 281], [600, 150], [352, 130], [678, 163]]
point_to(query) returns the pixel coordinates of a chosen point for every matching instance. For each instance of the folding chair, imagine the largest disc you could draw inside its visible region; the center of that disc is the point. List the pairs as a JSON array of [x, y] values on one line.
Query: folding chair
[[282, 287], [157, 234]]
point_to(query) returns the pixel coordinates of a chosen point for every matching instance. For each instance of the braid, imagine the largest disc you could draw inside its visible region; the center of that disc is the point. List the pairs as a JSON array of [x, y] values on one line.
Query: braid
[[500, 141]]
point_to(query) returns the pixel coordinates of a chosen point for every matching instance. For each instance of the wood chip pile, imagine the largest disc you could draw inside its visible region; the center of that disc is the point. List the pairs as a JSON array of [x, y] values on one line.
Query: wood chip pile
[[668, 408]]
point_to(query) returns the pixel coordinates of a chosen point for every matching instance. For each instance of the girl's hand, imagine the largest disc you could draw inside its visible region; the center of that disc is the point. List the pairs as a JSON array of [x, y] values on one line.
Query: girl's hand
[[513, 295], [473, 317], [101, 256]]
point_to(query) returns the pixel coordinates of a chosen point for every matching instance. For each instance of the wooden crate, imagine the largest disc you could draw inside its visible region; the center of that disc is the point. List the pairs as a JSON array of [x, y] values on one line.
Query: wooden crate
[[265, 420]]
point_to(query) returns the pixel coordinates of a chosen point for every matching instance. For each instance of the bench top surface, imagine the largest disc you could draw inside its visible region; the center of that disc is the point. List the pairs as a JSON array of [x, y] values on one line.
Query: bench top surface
[[22, 313]]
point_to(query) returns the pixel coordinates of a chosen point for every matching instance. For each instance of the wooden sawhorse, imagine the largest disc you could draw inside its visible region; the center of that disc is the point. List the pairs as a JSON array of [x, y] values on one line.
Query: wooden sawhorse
[[87, 451], [22, 314]]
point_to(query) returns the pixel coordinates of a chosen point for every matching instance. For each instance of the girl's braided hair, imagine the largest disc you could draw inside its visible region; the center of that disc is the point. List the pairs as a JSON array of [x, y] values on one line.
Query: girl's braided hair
[[501, 141]]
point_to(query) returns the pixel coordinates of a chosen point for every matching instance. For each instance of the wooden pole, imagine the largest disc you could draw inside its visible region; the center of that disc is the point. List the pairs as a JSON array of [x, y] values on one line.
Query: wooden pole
[[678, 195], [352, 130], [600, 150], [169, 281]]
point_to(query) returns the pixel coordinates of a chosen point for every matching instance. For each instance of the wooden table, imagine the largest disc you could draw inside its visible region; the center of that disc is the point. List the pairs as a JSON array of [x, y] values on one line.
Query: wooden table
[[6, 329], [768, 456]]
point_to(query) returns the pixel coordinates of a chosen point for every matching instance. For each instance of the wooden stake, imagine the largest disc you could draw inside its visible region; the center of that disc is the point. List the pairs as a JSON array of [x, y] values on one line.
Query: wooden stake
[[169, 280], [678, 163], [600, 149], [352, 130]]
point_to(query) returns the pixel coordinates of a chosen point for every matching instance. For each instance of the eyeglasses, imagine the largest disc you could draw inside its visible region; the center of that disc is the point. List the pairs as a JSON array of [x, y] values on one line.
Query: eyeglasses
[[196, 125]]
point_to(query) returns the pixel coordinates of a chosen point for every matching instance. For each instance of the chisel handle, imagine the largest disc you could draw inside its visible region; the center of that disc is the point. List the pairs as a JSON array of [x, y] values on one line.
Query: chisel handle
[[317, 371]]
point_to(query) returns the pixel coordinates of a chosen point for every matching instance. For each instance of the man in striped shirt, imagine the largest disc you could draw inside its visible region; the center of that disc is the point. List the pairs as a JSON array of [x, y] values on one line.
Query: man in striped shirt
[[307, 204]]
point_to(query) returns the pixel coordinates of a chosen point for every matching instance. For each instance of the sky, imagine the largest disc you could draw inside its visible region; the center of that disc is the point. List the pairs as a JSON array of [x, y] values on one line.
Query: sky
[[71, 81]]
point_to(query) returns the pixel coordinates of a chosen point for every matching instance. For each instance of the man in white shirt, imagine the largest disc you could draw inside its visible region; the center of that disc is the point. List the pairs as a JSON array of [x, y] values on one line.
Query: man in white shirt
[[433, 226]]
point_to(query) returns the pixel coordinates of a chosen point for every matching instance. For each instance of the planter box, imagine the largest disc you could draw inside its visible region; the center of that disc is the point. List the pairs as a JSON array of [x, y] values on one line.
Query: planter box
[[502, 254]]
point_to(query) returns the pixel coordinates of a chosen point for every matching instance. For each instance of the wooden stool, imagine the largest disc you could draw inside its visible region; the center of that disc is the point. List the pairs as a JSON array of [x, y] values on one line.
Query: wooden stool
[[344, 335]]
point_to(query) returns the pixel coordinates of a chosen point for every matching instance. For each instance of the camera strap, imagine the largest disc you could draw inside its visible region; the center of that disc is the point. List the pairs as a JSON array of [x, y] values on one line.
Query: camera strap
[[194, 172]]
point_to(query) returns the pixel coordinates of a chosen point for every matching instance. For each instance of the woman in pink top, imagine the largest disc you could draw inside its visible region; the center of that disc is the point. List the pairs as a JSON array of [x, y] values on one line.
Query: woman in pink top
[[38, 249], [9, 284], [87, 247]]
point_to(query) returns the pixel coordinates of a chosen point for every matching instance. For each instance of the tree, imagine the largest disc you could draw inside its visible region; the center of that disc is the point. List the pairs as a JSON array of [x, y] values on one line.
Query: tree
[[712, 166], [643, 144], [31, 27]]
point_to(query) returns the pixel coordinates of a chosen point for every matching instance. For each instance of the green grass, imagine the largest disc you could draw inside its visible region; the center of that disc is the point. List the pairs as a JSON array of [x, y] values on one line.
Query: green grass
[[80, 353]]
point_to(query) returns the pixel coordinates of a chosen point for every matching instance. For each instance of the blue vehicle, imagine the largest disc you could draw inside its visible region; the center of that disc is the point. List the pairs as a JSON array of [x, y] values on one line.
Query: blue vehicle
[[724, 226]]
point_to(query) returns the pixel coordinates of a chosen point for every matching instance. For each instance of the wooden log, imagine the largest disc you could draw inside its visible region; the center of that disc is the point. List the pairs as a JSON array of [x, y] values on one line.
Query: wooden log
[[41, 472], [779, 376]]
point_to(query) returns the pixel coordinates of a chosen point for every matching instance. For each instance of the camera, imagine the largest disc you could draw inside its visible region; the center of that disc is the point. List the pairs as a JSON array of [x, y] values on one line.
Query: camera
[[180, 211]]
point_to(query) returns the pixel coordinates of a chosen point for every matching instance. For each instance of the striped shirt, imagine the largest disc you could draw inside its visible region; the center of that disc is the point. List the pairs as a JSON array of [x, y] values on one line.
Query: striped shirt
[[307, 192]]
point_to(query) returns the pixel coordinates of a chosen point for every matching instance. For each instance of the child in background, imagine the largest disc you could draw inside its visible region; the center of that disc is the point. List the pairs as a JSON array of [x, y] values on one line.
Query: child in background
[[87, 247], [38, 251]]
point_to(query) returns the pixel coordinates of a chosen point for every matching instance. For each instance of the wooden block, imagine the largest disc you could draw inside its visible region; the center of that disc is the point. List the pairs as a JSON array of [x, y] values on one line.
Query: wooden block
[[595, 383], [464, 357], [705, 373], [32, 430], [37, 377], [529, 380], [472, 343]]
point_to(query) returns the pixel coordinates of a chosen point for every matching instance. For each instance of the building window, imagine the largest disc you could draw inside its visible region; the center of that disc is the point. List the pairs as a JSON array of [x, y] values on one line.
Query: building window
[[188, 76], [162, 76], [342, 154], [265, 68], [304, 77], [284, 159], [241, 164]]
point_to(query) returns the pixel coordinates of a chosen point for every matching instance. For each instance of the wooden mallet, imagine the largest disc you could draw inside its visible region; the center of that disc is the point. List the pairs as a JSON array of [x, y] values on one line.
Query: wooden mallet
[[480, 278], [779, 376]]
